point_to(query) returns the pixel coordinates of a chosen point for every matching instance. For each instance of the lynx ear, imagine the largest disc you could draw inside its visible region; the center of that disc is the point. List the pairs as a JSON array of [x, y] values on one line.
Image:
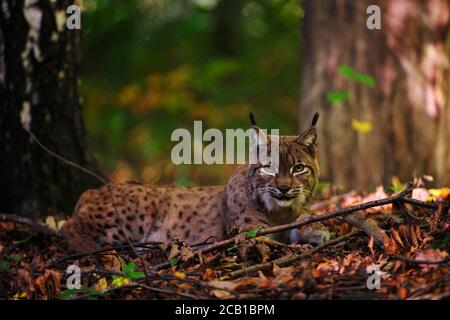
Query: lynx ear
[[309, 137], [252, 119], [258, 138]]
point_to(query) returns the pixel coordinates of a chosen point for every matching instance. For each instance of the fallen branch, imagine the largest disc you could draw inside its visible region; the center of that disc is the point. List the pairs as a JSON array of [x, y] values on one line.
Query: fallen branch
[[10, 217], [289, 259], [285, 227]]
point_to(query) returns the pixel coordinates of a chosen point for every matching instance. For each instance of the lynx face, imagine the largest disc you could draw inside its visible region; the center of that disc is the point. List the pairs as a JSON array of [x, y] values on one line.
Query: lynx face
[[292, 183]]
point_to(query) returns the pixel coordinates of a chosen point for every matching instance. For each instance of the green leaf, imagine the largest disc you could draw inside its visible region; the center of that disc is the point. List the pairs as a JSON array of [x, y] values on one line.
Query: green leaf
[[337, 96], [252, 233], [128, 268], [17, 242], [174, 261], [346, 71], [136, 275], [4, 265], [93, 293], [364, 79], [67, 294], [321, 185], [13, 258], [233, 247]]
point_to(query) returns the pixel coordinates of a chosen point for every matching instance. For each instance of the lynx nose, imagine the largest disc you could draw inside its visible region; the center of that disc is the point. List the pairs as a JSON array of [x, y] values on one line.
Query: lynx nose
[[284, 189]]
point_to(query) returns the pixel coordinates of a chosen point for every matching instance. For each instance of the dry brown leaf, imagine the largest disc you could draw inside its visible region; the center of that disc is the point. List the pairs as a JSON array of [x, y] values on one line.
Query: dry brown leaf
[[264, 251], [392, 247], [174, 251], [414, 239], [397, 238], [49, 285], [370, 245], [430, 254], [283, 275], [112, 262], [186, 253], [24, 282], [403, 293]]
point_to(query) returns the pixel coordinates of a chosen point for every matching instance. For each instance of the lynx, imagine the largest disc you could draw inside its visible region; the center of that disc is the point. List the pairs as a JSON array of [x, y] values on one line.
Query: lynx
[[256, 195]]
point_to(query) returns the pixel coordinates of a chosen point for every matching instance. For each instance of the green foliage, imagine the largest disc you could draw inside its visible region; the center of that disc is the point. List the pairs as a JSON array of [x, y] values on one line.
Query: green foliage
[[346, 71], [9, 260], [4, 265], [90, 292], [253, 233], [233, 247], [364, 79], [337, 96], [173, 261], [351, 74], [129, 271], [443, 242], [322, 185]]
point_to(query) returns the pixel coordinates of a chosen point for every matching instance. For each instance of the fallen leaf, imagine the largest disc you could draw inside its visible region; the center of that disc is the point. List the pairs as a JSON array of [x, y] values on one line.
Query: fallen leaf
[[51, 223], [180, 275], [396, 237], [220, 284], [101, 284], [24, 282], [436, 194], [186, 253], [403, 293], [370, 245], [430, 254], [283, 275], [264, 251]]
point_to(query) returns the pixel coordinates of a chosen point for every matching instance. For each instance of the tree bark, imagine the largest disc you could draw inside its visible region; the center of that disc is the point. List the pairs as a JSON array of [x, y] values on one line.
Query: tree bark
[[39, 89], [409, 105]]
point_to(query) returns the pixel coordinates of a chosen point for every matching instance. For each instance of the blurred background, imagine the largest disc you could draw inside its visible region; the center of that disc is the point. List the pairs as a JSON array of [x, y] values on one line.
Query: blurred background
[[149, 67], [108, 96]]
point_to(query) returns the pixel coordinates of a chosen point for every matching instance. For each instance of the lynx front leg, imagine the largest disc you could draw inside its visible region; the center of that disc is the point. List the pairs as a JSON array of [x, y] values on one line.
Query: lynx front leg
[[247, 220]]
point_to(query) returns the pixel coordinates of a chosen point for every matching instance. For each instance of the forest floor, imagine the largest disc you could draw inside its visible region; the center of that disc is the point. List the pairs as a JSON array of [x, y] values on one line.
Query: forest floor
[[413, 265]]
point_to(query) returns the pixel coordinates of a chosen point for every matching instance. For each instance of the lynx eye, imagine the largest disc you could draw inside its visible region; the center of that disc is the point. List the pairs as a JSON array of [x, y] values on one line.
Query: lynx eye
[[267, 171], [299, 169]]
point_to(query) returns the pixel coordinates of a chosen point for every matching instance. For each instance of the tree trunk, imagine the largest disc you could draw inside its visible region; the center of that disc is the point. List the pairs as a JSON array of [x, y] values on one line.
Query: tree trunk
[[408, 107], [38, 84]]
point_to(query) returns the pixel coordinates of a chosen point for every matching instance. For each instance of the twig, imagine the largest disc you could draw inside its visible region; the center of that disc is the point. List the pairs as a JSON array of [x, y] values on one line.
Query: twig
[[10, 217], [337, 213], [134, 286], [289, 259], [445, 260], [64, 160], [431, 205], [112, 248]]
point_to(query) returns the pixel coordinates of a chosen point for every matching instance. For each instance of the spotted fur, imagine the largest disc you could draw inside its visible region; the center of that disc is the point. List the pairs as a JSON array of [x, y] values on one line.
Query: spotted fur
[[251, 199]]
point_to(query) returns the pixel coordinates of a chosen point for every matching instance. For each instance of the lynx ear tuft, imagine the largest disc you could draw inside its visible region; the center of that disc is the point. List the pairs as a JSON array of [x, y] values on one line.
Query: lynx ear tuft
[[315, 119], [252, 119], [309, 137]]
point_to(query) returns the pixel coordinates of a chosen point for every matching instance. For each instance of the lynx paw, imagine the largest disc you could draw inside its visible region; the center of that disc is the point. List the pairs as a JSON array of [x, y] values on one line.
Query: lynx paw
[[311, 234]]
